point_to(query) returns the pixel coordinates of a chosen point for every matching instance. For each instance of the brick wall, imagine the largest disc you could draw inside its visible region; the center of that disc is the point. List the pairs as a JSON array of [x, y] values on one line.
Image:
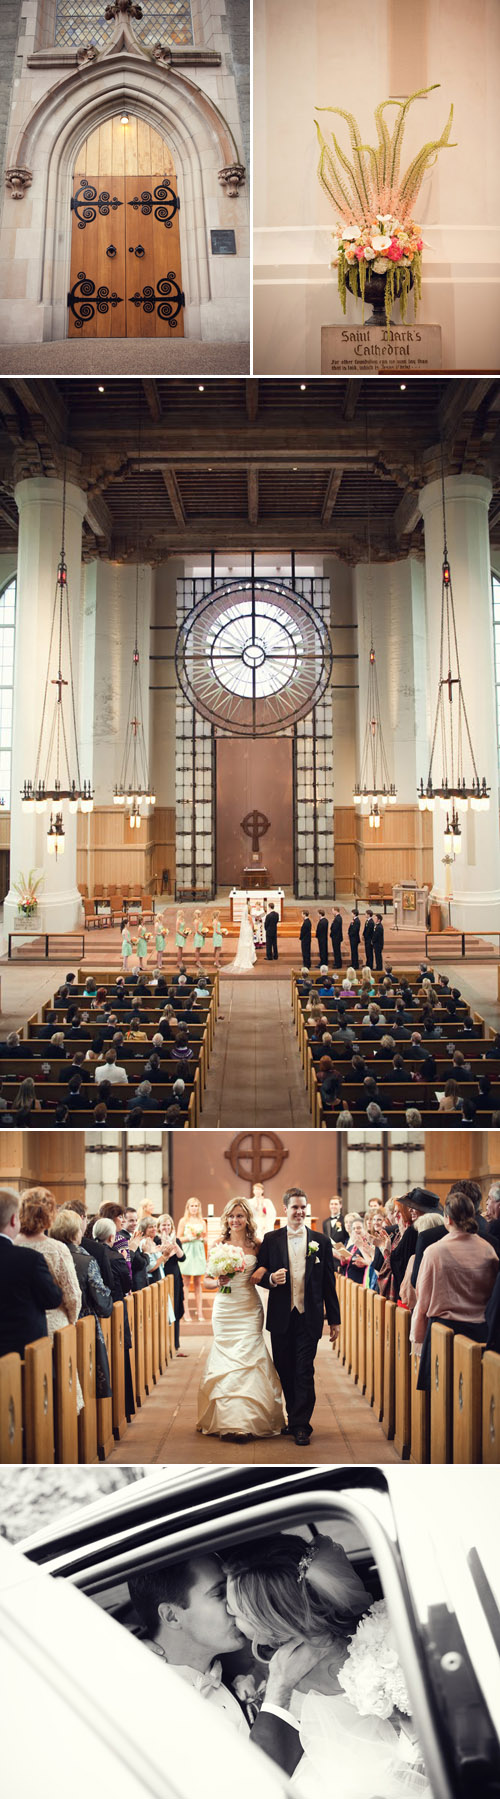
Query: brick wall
[[9, 18]]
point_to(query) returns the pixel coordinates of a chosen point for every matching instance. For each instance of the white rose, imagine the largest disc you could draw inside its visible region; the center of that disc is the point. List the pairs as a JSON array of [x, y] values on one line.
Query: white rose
[[380, 243], [368, 253], [381, 265]]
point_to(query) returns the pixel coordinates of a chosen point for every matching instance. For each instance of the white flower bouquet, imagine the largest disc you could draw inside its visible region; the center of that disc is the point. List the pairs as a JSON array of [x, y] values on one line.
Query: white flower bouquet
[[224, 1261], [372, 1677]]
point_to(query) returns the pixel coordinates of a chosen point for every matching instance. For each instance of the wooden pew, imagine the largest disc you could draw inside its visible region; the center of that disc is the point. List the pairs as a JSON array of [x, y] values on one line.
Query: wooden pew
[[66, 1416], [105, 1439], [388, 1415], [402, 1413], [441, 1428], [467, 1381], [140, 1384], [378, 1355], [420, 1416], [118, 1370], [38, 1399], [86, 1363], [491, 1407]]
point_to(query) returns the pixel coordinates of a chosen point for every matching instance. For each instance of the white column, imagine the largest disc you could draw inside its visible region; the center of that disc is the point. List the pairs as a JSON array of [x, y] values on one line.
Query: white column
[[114, 610], [397, 610], [39, 504], [475, 875]]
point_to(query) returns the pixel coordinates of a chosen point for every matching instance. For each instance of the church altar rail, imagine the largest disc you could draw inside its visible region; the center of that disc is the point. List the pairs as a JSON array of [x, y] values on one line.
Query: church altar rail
[[239, 896], [56, 948]]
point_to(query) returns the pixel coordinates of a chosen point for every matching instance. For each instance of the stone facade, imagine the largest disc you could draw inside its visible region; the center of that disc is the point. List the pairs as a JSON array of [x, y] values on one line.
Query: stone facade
[[11, 12], [192, 99]]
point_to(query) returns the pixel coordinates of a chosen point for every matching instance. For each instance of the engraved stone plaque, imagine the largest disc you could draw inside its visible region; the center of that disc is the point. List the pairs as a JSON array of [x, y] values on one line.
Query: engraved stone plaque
[[362, 349]]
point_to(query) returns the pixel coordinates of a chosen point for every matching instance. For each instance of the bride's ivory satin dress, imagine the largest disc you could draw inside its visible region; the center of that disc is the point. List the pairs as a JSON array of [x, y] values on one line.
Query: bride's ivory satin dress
[[246, 954], [239, 1392]]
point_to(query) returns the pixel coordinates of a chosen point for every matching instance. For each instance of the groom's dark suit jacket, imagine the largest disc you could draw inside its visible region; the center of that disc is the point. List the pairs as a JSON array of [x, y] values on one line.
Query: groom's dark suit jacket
[[320, 1292]]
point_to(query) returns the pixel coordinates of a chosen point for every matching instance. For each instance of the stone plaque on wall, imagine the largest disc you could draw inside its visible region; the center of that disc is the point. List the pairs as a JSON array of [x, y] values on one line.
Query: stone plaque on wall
[[354, 349]]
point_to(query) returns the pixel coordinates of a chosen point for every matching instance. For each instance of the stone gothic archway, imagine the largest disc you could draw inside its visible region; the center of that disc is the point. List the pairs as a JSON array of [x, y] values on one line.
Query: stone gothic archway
[[202, 145]]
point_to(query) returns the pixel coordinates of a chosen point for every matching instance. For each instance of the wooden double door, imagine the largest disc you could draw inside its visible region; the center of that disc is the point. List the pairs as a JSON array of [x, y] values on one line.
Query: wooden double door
[[126, 278]]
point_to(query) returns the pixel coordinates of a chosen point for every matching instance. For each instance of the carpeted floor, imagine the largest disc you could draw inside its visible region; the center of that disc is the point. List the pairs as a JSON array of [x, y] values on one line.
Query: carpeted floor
[[118, 356]]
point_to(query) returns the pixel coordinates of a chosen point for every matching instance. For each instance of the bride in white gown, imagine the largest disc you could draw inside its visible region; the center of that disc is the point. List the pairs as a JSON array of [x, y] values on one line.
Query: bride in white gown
[[240, 1394], [246, 954], [333, 1653]]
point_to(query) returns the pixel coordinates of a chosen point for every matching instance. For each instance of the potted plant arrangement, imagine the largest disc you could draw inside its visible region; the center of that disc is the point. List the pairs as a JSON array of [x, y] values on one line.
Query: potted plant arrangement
[[377, 244], [27, 889]]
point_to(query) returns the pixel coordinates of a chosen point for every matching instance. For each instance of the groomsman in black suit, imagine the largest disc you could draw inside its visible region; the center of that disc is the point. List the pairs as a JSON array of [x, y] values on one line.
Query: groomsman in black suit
[[322, 939], [334, 1228], [27, 1288], [354, 933], [271, 923], [336, 935], [368, 930], [378, 941], [305, 940], [297, 1269]]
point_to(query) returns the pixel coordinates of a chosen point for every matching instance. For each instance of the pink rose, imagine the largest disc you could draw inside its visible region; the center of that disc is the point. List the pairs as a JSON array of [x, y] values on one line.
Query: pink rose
[[420, 243], [359, 252], [395, 252]]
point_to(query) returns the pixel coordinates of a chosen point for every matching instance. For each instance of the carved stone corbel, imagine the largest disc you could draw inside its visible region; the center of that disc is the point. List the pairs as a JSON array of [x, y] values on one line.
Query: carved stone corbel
[[161, 55], [17, 180], [123, 8], [232, 178], [87, 55]]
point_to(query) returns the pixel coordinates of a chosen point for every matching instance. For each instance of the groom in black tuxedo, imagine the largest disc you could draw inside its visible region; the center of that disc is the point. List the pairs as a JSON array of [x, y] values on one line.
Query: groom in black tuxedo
[[271, 922], [297, 1268]]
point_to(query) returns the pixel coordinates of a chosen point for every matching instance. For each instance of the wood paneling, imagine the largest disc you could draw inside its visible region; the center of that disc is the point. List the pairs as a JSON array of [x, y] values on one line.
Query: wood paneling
[[400, 850], [459, 1155], [108, 851], [54, 1159]]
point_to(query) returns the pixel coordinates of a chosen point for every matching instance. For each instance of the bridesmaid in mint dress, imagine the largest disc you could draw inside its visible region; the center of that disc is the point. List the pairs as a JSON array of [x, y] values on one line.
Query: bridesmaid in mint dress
[[161, 934], [192, 1233], [200, 932], [218, 933], [127, 948], [142, 947], [181, 933]]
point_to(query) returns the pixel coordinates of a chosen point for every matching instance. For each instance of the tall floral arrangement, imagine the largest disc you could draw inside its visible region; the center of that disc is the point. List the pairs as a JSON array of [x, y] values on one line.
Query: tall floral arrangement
[[27, 889], [376, 231]]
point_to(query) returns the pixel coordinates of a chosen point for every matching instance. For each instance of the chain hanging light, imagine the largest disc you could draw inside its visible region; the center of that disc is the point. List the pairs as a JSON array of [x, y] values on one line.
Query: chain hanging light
[[374, 785], [134, 788], [53, 779], [451, 723]]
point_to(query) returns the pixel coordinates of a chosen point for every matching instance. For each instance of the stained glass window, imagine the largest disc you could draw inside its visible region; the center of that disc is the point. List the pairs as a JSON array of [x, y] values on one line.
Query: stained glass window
[[163, 21]]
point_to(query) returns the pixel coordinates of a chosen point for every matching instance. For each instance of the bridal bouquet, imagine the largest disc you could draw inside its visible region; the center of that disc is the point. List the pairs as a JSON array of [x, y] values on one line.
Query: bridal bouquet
[[225, 1261], [372, 1676], [375, 202]]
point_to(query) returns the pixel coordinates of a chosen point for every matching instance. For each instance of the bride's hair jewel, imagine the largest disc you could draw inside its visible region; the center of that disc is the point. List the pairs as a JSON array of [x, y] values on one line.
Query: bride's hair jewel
[[309, 1556]]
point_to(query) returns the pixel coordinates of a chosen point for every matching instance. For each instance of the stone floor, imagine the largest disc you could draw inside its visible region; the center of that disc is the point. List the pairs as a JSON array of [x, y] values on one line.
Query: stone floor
[[164, 1429], [125, 356]]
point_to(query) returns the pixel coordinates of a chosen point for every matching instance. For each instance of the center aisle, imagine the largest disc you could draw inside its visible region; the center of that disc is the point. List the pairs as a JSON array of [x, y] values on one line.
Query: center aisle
[[255, 1075], [164, 1430]]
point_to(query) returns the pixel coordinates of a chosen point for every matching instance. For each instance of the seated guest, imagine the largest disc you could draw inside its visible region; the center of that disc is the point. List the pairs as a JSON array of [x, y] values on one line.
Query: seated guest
[[144, 1098], [76, 1095], [134, 1117], [344, 1120], [427, 1069], [343, 1033], [70, 1068], [100, 1113], [492, 1215], [371, 1093], [179, 1095], [182, 1049], [62, 1117], [58, 1047], [174, 1118], [417, 1049], [375, 1115], [330, 1081], [46, 1029], [358, 1069], [95, 1052], [429, 1028], [468, 1111], [413, 1117], [111, 1070], [11, 1046], [397, 1070], [455, 1281], [28, 1288], [492, 1051], [152, 1069], [26, 1100], [448, 1103]]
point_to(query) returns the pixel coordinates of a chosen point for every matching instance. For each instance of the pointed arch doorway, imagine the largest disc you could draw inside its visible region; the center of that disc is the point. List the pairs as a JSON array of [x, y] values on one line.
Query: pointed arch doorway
[[126, 278]]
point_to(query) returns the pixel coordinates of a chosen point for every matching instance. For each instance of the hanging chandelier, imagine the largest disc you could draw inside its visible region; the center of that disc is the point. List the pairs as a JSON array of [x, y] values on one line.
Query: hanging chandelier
[[451, 724], [53, 779], [374, 787], [134, 789]]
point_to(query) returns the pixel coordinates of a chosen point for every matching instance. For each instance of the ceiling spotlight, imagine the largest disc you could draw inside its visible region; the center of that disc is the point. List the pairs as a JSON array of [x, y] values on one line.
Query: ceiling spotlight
[[201, 389], [294, 468], [303, 387], [402, 387], [124, 118], [100, 390]]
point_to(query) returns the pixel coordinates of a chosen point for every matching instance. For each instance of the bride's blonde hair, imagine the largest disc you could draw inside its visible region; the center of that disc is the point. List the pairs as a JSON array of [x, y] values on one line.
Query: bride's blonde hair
[[279, 1604], [251, 1227]]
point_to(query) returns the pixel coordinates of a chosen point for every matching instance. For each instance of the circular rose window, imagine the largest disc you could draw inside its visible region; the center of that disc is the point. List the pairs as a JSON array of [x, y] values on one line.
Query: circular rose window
[[253, 657]]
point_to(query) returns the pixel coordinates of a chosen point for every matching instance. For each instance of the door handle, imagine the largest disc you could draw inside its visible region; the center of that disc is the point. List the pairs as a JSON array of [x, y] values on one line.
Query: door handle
[[136, 250]]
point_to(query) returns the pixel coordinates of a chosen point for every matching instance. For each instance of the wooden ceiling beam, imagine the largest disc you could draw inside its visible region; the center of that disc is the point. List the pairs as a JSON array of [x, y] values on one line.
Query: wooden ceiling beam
[[150, 391], [407, 514], [253, 495], [352, 398], [173, 490], [252, 400], [331, 496]]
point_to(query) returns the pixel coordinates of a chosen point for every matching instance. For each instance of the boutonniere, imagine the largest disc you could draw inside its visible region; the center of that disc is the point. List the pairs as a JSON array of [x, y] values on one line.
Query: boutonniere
[[313, 1249]]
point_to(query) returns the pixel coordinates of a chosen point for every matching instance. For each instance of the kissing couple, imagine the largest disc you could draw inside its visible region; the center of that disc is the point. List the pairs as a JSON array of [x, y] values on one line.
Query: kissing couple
[[313, 1674]]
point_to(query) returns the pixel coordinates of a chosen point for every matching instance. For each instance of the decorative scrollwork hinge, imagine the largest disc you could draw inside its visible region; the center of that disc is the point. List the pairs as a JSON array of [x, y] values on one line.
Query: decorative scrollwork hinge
[[168, 301], [88, 301], [86, 212], [163, 199]]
